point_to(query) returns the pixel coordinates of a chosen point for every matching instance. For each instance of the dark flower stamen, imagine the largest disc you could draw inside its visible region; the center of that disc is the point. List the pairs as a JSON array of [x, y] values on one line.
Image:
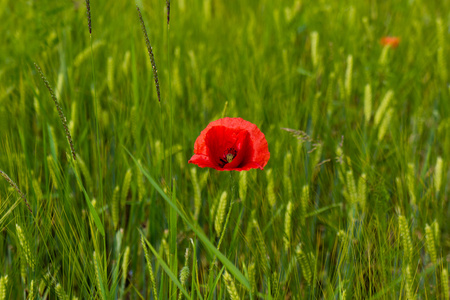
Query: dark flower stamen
[[228, 157]]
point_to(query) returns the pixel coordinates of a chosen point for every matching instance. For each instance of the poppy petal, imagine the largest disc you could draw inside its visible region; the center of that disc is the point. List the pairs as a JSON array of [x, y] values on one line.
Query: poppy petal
[[202, 161], [239, 137], [218, 139], [392, 41], [243, 148]]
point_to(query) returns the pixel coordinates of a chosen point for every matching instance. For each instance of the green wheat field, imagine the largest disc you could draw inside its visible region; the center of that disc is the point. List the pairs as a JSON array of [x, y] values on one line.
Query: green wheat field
[[98, 200]]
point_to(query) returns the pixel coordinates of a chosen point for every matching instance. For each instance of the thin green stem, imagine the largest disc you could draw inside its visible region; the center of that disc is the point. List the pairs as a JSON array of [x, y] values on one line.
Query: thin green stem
[[170, 103], [97, 134], [173, 214]]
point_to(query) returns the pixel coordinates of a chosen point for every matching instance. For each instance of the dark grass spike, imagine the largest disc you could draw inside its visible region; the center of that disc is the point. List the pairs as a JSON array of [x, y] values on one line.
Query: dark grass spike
[[150, 53], [168, 11], [60, 111], [88, 14], [17, 189]]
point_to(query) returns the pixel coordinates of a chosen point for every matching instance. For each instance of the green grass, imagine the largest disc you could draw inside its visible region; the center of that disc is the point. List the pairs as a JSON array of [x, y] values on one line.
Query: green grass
[[354, 202]]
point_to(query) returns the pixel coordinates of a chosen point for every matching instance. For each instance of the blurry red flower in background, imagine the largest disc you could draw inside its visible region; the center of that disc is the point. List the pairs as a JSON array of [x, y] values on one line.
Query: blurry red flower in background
[[392, 41], [231, 144]]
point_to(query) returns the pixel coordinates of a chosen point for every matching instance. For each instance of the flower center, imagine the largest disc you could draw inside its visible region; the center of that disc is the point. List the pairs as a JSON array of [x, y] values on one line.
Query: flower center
[[227, 157]]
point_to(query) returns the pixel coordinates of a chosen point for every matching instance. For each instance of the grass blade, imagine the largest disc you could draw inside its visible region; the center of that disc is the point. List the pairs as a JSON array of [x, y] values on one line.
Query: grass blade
[[166, 268], [227, 263]]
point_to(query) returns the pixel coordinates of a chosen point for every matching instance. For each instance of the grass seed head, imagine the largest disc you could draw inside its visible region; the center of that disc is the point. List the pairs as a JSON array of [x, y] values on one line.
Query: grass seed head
[[12, 183], [88, 14], [62, 117], [150, 53]]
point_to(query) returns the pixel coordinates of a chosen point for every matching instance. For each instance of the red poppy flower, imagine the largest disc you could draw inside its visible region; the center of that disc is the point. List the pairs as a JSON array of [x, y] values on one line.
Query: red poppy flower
[[392, 41], [231, 144]]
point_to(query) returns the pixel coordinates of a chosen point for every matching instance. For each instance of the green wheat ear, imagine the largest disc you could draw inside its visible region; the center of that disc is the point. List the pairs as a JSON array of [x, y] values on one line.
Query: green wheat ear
[[409, 284], [126, 187], [73, 117], [411, 183], [125, 263], [287, 226], [3, 284], [437, 233], [438, 171], [25, 247], [304, 201], [304, 264], [384, 55], [264, 258], [184, 273], [445, 284], [42, 285], [231, 287], [352, 192], [270, 188], [405, 237], [220, 214], [384, 105], [126, 62], [343, 294], [385, 123], [287, 183], [243, 186], [440, 28], [314, 45], [431, 247], [149, 267], [23, 269], [362, 194], [60, 292], [31, 291], [252, 277], [348, 77], [115, 207], [367, 102], [275, 287], [98, 275], [197, 192]]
